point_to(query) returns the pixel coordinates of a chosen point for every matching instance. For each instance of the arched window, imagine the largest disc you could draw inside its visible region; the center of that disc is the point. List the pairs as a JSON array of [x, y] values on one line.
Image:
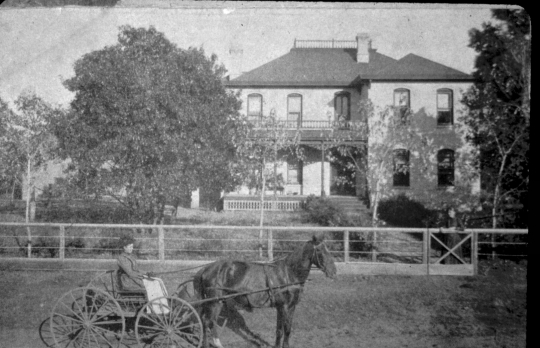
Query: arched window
[[342, 106], [402, 173], [445, 167], [402, 103], [294, 110], [445, 107], [254, 107]]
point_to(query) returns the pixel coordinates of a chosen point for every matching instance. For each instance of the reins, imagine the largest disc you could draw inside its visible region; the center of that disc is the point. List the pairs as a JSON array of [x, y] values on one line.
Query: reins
[[182, 270]]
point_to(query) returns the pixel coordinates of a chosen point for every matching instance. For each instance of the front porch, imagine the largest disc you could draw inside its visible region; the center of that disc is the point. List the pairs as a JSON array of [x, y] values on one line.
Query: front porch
[[347, 204]]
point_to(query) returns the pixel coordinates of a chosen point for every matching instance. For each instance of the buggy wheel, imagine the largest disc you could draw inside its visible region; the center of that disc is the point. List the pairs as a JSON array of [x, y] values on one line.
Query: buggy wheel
[[87, 317], [169, 322]]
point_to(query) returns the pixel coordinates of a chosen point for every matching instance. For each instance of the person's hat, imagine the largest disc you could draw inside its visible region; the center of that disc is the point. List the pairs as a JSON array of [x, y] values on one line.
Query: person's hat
[[126, 240]]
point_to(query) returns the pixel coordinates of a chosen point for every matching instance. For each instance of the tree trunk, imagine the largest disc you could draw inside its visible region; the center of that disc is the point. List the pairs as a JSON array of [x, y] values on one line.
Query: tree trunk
[[261, 223], [495, 206], [28, 196]]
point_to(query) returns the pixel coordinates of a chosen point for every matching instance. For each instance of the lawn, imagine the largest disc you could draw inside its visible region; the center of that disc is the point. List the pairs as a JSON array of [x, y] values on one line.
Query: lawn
[[488, 310]]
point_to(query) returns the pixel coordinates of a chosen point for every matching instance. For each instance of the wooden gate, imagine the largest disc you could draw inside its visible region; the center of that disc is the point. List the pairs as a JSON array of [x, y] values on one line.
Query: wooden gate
[[465, 265]]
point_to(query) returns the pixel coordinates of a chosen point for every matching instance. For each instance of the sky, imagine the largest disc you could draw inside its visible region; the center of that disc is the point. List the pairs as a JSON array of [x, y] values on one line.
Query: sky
[[38, 46]]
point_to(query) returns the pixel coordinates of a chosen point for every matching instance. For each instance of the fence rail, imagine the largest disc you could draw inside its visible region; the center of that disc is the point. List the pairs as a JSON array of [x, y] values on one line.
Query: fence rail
[[411, 246]]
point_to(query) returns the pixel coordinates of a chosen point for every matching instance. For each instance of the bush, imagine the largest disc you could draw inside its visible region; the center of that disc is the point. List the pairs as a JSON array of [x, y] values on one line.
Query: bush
[[324, 212], [402, 211], [87, 213]]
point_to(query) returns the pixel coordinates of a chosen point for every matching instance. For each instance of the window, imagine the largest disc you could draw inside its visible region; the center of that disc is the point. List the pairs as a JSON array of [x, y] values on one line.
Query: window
[[402, 103], [254, 107], [445, 107], [294, 171], [342, 106], [294, 110], [445, 167], [401, 168]]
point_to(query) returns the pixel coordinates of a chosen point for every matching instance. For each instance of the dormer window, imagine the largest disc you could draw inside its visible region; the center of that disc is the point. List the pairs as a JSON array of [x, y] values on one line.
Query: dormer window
[[445, 107]]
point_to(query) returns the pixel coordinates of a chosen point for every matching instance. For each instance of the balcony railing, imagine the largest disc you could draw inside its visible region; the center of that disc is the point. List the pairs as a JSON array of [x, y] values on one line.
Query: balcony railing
[[312, 124], [325, 44]]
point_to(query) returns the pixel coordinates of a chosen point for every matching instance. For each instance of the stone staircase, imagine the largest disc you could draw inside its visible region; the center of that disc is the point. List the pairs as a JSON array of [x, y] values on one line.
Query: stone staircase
[[349, 205]]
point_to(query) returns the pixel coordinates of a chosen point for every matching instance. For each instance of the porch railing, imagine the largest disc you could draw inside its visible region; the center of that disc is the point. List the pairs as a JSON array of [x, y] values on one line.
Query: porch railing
[[256, 205], [313, 124]]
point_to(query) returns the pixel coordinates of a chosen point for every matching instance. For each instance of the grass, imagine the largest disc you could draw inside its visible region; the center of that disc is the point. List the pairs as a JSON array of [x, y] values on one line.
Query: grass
[[488, 310]]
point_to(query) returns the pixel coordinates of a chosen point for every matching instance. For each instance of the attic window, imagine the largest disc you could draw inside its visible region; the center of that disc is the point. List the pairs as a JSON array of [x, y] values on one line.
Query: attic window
[[445, 107], [254, 107]]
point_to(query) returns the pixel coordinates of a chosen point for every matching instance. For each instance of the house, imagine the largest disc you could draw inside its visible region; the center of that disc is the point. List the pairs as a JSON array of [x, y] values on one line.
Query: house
[[317, 89]]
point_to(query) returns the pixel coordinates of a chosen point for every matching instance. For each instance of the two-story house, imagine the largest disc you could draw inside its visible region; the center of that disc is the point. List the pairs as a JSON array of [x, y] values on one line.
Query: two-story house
[[317, 88]]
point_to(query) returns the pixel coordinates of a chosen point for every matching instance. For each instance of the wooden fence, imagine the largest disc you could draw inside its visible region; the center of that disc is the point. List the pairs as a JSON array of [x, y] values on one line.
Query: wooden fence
[[391, 250]]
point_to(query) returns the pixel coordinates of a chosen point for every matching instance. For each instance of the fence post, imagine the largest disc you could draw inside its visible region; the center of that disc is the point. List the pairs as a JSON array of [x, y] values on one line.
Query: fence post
[[62, 246], [374, 248], [428, 254], [474, 252], [425, 238], [270, 245], [29, 242], [161, 243], [346, 246]]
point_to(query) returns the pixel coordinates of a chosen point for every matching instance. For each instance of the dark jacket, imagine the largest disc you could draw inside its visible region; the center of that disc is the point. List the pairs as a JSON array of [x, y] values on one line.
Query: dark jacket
[[130, 277]]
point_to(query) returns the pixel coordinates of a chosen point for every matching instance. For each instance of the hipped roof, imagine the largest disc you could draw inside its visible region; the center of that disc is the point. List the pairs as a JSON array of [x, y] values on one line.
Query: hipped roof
[[331, 67]]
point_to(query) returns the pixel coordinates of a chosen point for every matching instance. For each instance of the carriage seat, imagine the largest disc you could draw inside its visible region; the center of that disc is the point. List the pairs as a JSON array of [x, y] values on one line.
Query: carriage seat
[[125, 293]]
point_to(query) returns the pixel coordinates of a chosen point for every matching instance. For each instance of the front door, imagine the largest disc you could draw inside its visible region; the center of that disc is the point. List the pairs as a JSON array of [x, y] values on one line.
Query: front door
[[342, 175]]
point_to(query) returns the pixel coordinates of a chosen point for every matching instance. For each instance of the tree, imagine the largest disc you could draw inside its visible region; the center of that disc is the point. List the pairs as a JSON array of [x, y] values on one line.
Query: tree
[[150, 121], [270, 142], [499, 104], [28, 144]]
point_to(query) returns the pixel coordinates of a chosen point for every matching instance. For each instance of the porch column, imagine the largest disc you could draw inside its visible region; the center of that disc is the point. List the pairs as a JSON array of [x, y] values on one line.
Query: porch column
[[322, 169]]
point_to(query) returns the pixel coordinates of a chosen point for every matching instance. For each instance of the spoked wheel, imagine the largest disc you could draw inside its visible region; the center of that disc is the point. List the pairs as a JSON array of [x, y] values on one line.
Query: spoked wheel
[[87, 317], [169, 322]]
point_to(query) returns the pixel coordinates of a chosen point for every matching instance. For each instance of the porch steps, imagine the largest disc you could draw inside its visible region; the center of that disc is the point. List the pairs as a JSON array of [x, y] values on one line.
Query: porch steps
[[349, 204]]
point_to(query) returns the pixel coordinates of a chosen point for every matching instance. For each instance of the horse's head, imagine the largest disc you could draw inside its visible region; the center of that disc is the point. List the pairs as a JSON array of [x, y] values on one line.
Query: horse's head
[[322, 258]]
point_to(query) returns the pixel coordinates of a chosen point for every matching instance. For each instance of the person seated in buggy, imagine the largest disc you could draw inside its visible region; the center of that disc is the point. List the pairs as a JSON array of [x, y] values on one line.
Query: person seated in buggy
[[130, 278]]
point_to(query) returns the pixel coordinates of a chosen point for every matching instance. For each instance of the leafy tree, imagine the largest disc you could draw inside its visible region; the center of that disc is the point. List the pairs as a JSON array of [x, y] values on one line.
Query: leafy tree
[[268, 144], [150, 121], [499, 104], [28, 144]]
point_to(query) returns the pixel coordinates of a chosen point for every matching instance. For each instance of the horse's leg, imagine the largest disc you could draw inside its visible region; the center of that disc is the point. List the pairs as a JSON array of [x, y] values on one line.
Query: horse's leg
[[214, 314], [279, 326], [288, 314]]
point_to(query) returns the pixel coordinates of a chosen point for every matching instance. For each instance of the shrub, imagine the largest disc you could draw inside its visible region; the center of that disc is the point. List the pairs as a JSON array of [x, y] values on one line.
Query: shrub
[[402, 211], [324, 212]]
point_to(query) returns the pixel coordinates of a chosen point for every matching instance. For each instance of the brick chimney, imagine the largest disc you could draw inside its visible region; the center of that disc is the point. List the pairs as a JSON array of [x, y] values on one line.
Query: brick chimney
[[363, 44]]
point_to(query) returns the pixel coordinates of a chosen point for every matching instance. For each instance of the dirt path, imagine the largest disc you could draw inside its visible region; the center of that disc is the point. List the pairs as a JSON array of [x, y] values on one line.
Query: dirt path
[[353, 311]]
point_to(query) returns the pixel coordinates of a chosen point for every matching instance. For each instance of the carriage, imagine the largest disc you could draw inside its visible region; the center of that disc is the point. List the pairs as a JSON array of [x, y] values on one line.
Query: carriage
[[102, 314]]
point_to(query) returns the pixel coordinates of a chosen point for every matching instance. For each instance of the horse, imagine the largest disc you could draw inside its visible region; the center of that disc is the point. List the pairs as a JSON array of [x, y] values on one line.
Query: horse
[[249, 285]]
